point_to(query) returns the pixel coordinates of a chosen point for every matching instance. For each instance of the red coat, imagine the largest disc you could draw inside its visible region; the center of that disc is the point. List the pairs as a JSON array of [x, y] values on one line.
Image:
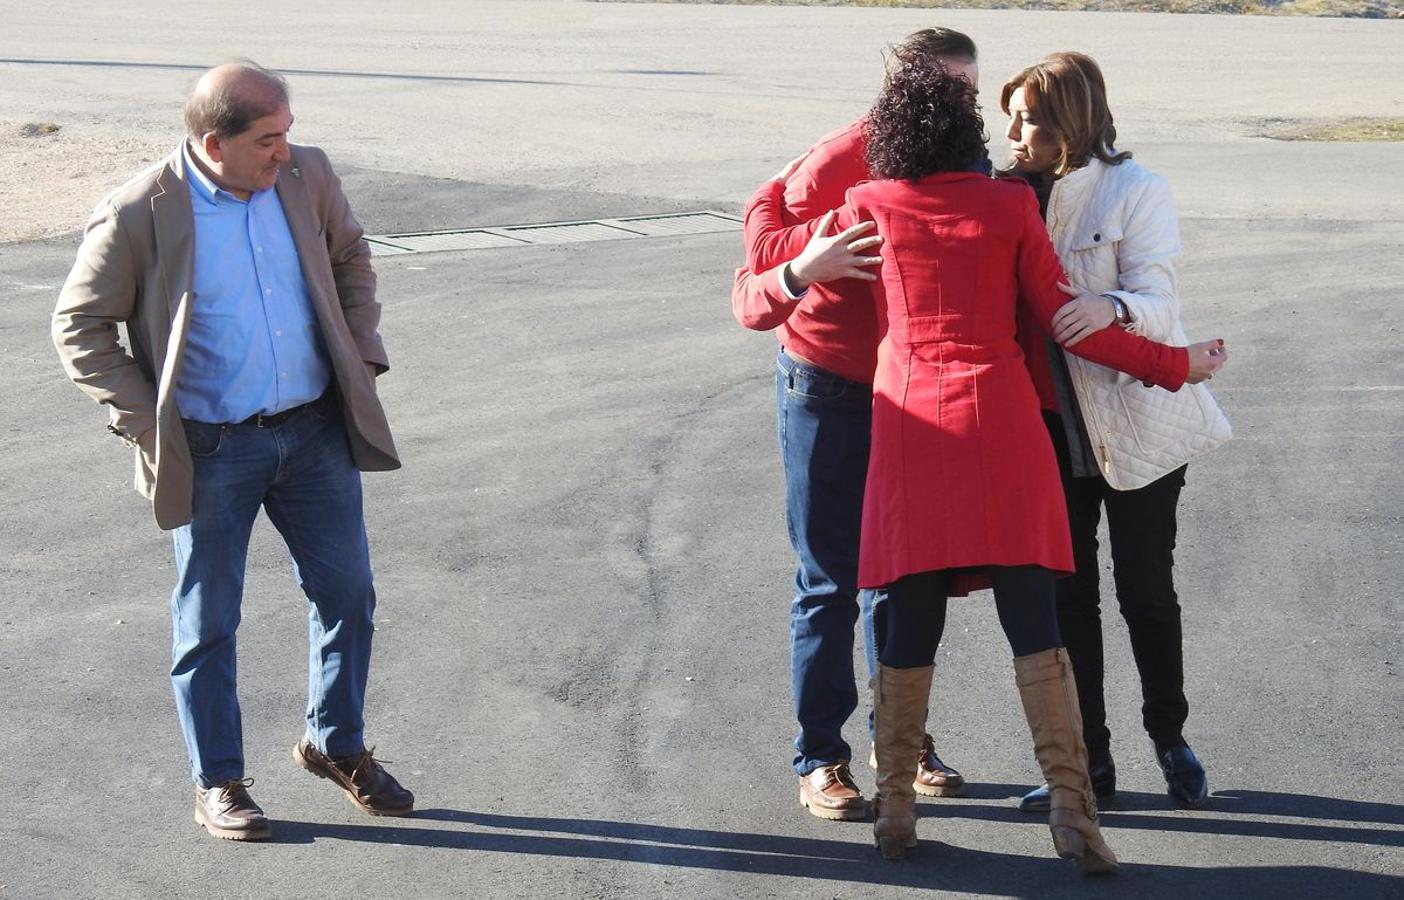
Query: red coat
[[962, 473], [839, 338]]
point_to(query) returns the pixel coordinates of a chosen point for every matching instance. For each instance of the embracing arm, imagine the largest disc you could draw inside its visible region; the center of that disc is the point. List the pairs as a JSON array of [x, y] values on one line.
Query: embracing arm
[[759, 302], [770, 241], [1039, 278], [766, 300], [817, 255], [99, 294]]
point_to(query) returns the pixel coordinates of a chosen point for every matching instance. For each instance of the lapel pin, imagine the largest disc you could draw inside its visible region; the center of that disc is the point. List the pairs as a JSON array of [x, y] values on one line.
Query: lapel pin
[[296, 172]]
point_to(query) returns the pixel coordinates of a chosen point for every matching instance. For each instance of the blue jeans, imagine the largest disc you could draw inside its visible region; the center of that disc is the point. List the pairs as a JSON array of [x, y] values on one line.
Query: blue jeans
[[300, 472], [824, 423]]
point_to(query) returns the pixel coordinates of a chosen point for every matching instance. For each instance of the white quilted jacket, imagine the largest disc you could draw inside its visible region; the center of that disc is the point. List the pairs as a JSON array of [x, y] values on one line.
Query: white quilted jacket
[[1116, 232]]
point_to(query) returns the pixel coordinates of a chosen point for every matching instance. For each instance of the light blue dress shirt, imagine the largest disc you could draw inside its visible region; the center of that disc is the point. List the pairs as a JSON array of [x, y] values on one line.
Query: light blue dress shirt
[[253, 345]]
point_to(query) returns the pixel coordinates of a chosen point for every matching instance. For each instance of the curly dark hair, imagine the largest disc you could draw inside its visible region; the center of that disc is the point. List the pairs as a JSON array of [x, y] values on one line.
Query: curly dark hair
[[924, 121]]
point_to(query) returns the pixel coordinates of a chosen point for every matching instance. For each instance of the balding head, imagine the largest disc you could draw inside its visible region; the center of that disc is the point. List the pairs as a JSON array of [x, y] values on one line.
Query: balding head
[[238, 119], [228, 98]]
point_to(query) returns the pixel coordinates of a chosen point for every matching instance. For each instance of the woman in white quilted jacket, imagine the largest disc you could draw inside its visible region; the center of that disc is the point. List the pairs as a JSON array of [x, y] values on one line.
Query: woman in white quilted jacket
[[1121, 446]]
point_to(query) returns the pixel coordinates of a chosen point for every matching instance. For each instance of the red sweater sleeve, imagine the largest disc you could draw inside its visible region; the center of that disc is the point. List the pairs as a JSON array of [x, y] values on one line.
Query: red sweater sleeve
[[758, 302], [1039, 277], [770, 240]]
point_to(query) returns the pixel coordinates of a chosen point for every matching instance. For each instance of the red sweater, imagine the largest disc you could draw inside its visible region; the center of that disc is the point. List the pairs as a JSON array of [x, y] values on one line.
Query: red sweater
[[841, 338]]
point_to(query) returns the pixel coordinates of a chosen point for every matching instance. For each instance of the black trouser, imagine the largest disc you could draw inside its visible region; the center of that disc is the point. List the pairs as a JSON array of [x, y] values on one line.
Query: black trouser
[[1141, 526], [909, 632]]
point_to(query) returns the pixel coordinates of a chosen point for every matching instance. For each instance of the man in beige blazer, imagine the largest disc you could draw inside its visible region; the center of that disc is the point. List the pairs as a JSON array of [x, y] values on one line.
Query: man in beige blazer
[[247, 382]]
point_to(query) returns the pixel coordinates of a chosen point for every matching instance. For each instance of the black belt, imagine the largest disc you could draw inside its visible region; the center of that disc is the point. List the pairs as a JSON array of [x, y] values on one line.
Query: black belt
[[269, 420]]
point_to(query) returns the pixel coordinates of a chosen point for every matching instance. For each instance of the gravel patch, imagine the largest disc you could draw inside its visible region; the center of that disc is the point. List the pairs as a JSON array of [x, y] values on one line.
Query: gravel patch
[[55, 173], [1351, 130]]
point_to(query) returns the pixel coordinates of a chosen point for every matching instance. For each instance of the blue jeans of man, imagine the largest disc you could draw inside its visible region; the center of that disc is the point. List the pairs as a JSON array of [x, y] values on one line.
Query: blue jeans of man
[[301, 474], [824, 425]]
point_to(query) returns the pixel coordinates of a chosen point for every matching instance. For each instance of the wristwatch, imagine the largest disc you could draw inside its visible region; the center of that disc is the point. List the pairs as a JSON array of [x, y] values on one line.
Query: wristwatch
[[1123, 315]]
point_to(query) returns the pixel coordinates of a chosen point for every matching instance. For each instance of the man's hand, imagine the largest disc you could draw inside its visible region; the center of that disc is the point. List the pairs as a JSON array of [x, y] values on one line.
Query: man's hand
[[831, 257], [1082, 316], [1205, 358]]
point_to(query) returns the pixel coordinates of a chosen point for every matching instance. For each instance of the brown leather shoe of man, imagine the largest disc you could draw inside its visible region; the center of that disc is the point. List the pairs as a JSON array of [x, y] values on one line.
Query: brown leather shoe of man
[[365, 781], [933, 778], [227, 811], [830, 793]]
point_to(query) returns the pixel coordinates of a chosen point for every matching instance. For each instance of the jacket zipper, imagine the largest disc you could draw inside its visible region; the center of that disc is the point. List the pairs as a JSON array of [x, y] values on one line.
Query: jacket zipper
[[1091, 419]]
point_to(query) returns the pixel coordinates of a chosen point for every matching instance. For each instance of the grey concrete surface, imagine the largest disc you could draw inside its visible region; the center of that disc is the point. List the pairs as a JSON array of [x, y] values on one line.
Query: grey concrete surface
[[581, 649]]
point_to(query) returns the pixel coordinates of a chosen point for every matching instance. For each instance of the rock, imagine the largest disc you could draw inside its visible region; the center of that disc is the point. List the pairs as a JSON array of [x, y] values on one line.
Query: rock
[[38, 129]]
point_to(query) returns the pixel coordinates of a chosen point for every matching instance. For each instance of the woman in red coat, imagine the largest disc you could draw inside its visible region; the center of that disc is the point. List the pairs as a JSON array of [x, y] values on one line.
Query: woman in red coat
[[963, 487]]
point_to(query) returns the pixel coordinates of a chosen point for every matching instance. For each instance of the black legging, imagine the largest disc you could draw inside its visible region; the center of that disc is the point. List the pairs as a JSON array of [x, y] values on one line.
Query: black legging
[[909, 625]]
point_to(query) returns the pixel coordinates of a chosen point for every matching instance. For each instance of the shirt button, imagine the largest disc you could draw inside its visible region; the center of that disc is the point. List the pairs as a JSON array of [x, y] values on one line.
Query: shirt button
[[267, 292], [279, 333], [259, 249]]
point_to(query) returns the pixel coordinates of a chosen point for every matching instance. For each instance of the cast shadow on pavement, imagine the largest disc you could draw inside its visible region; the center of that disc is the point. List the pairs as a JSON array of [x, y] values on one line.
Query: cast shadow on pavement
[[419, 76], [1128, 810], [200, 67], [934, 865], [390, 76]]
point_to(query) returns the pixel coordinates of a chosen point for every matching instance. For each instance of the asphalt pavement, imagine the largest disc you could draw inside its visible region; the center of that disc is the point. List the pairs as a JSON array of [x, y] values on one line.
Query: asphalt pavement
[[581, 650]]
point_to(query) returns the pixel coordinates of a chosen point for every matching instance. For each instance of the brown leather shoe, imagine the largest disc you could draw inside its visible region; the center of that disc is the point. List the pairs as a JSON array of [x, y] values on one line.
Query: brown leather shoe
[[227, 811], [830, 793], [934, 778], [360, 775]]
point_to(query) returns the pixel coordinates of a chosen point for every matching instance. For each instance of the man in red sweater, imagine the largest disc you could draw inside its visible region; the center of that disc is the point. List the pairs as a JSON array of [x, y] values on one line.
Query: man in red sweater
[[824, 376]]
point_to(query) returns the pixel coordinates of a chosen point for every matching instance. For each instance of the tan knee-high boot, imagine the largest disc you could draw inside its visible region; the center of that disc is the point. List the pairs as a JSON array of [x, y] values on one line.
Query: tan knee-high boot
[[1049, 694], [899, 720]]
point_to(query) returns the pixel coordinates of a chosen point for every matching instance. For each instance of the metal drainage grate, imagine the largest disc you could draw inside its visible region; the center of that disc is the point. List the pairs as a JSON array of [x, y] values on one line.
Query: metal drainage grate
[[681, 223], [566, 233], [450, 240], [668, 225]]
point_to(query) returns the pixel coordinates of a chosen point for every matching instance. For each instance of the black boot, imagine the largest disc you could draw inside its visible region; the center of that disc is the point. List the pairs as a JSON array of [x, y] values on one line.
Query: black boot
[[1103, 773]]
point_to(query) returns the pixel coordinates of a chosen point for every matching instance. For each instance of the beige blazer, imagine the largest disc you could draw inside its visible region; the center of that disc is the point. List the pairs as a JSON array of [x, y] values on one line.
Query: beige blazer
[[136, 267]]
